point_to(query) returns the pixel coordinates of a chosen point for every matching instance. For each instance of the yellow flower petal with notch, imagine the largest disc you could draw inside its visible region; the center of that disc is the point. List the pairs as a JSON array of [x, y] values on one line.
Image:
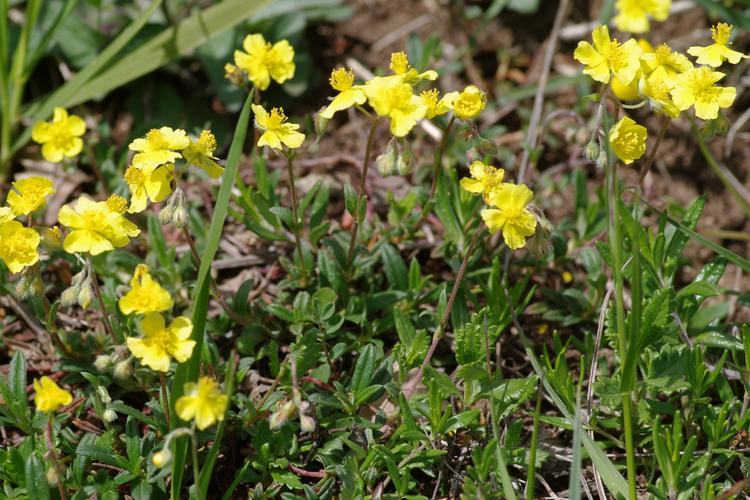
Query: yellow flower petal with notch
[[201, 154], [29, 194], [161, 343], [608, 57], [96, 226], [349, 94], [633, 15], [263, 61], [48, 396], [18, 246], [146, 295], [61, 137], [697, 87], [511, 215], [628, 140], [160, 146], [203, 402], [484, 179], [718, 52], [278, 132], [395, 100]]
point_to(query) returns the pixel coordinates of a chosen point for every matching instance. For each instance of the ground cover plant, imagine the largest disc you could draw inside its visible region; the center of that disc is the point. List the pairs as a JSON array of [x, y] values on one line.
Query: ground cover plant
[[324, 249]]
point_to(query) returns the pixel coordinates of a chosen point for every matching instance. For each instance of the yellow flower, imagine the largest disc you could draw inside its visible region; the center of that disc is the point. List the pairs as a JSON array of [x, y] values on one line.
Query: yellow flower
[[48, 396], [469, 103], [161, 343], [201, 154], [395, 99], [263, 61], [146, 295], [631, 92], [696, 87], [30, 194], [402, 69], [670, 63], [18, 246], [148, 184], [278, 133], [97, 226], [161, 458], [511, 214], [435, 106], [159, 147], [657, 89], [349, 94], [717, 52], [61, 137], [632, 15], [484, 179], [203, 401], [628, 140], [6, 215], [607, 57]]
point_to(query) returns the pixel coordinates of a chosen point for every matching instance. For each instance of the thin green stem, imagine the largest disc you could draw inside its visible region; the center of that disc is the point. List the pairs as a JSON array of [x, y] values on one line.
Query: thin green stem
[[447, 312], [615, 242], [295, 210], [503, 468], [652, 156], [196, 465], [438, 160], [361, 194], [165, 399], [531, 471], [100, 299], [48, 433]]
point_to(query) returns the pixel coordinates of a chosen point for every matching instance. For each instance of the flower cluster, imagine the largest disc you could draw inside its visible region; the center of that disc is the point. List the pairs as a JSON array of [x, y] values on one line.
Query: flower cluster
[[509, 204], [662, 77]]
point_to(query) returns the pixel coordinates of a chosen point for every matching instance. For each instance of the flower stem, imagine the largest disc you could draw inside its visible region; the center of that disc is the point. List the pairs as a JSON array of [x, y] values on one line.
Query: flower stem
[[100, 299], [165, 399], [447, 312], [53, 454], [49, 320], [438, 161], [361, 194], [295, 209], [214, 287], [196, 466], [652, 156], [615, 241]]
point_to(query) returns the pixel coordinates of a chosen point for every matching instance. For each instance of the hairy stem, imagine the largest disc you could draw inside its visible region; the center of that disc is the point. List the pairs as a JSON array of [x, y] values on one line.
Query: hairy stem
[[295, 210], [100, 299], [652, 155], [53, 454], [438, 161], [165, 399], [361, 194]]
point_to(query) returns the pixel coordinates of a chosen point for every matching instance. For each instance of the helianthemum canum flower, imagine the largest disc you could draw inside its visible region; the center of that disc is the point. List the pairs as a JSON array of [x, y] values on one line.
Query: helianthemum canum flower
[[437, 105], [608, 57], [628, 140], [718, 52], [203, 402], [633, 15], [657, 89], [146, 184], [469, 103], [48, 396], [697, 87], [263, 61], [200, 153], [665, 60], [18, 246], [394, 99], [96, 226], [159, 147], [277, 131], [146, 295], [161, 343], [484, 179], [349, 94], [29, 194], [6, 215], [60, 138], [510, 214], [631, 92], [403, 70]]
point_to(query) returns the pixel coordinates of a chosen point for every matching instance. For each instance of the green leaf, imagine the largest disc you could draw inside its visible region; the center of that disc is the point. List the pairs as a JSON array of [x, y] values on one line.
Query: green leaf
[[364, 369], [350, 199], [17, 383], [470, 342], [173, 42], [395, 268], [36, 478], [188, 371]]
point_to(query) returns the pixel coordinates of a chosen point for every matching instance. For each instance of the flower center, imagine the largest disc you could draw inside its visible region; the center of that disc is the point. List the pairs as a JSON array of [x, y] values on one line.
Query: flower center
[[16, 247], [134, 177], [341, 79], [721, 33], [276, 119], [156, 139], [117, 204], [399, 63]]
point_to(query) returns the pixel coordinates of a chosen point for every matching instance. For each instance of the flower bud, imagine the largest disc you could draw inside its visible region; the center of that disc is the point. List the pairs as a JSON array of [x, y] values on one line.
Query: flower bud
[[102, 361], [103, 394], [85, 294], [52, 475], [109, 415], [321, 123], [404, 161], [284, 411], [180, 217], [69, 297], [386, 161], [51, 238], [540, 244], [591, 151], [601, 160], [175, 211], [124, 369], [165, 215], [161, 458], [306, 423]]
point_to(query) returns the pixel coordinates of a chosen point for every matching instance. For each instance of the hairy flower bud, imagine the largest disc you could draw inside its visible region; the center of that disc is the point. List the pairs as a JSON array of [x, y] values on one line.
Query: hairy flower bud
[[161, 458], [103, 394], [124, 369], [51, 238], [321, 122], [591, 151], [386, 161], [102, 361], [85, 294], [69, 297]]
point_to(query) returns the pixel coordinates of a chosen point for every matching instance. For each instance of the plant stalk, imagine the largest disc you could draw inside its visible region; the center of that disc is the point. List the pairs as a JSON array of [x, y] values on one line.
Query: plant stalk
[[100, 299], [295, 209], [438, 160], [652, 156], [53, 454], [361, 194], [531, 472], [165, 399]]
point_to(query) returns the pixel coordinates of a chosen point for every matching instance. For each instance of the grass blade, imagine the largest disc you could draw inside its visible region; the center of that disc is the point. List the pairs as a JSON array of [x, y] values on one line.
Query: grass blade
[[188, 371], [168, 45], [67, 93]]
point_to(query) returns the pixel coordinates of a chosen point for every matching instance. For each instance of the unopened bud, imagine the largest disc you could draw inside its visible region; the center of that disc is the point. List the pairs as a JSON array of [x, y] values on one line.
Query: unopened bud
[[51, 239], [85, 294], [124, 369], [386, 161], [284, 411], [69, 297], [540, 244], [109, 415], [306, 423], [175, 211], [103, 394], [102, 361], [321, 123], [165, 215], [591, 151], [29, 283], [180, 217], [161, 458], [52, 475], [601, 160], [404, 161]]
